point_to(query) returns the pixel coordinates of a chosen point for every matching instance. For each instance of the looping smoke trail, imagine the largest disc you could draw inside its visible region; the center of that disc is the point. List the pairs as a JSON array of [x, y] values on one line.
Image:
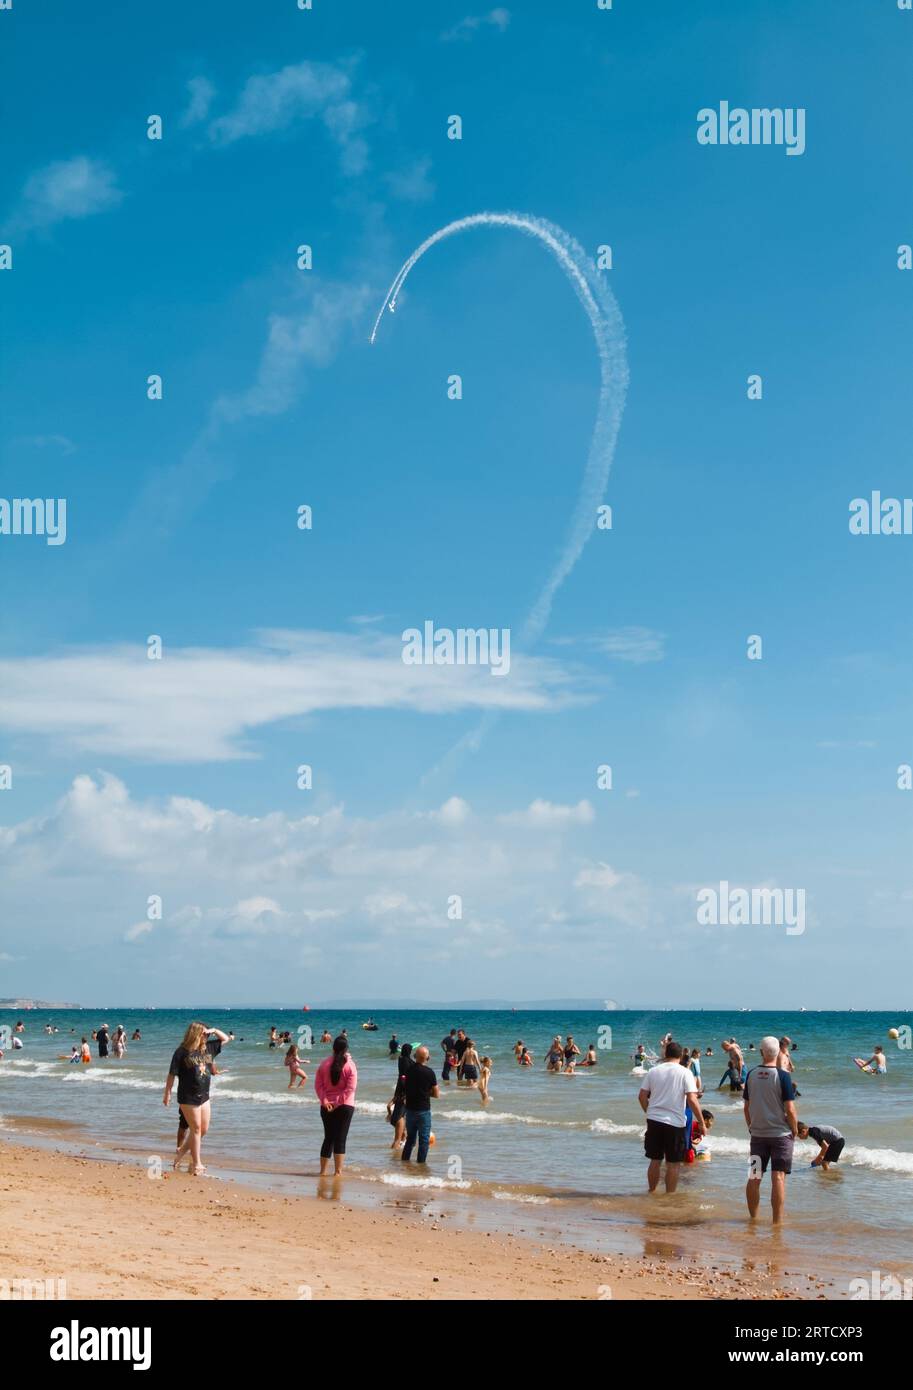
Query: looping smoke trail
[[592, 289], [605, 318]]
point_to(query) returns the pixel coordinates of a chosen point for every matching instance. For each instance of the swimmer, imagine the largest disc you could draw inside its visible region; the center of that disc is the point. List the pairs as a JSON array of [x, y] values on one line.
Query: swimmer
[[393, 1046], [74, 1055], [590, 1060], [326, 1036], [85, 1052], [470, 1065], [294, 1067], [555, 1056], [571, 1049], [483, 1079], [137, 1035], [525, 1059], [878, 1062], [518, 1049], [829, 1140]]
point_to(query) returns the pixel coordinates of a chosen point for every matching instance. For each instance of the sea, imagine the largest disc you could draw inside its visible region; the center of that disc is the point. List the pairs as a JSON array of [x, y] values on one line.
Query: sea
[[554, 1156]]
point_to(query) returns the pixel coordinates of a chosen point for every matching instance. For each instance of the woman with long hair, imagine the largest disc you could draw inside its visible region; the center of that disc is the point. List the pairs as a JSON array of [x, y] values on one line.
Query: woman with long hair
[[335, 1084], [191, 1067]]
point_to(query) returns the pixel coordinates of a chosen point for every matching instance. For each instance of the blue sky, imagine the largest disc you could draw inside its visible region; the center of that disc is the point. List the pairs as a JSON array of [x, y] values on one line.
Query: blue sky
[[178, 779]]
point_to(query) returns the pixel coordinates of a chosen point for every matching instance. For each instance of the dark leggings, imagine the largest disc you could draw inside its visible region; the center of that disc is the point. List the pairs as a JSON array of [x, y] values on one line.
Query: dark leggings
[[335, 1129]]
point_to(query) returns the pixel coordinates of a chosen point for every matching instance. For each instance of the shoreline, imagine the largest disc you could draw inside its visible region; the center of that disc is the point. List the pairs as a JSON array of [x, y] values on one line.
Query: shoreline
[[107, 1229]]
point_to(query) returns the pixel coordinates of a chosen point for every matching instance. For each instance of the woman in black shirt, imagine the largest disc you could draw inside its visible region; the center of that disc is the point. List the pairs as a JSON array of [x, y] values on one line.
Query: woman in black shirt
[[191, 1067]]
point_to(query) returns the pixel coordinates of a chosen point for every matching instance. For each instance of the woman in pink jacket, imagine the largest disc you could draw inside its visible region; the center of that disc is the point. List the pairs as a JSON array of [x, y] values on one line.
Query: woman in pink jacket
[[335, 1084]]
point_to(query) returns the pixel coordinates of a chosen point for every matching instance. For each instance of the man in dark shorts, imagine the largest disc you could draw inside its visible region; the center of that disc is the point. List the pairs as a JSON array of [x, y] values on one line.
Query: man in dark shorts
[[770, 1114], [102, 1038], [830, 1142], [666, 1089]]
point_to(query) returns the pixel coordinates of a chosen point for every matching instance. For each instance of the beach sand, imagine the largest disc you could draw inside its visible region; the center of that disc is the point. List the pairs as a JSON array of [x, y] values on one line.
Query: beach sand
[[112, 1232]]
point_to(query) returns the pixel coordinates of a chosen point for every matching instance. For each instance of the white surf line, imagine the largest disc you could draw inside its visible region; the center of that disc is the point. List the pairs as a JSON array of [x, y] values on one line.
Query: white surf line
[[605, 318]]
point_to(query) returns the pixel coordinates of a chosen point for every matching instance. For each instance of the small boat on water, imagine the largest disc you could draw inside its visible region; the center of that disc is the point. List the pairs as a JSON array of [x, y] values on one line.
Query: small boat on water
[[370, 1026]]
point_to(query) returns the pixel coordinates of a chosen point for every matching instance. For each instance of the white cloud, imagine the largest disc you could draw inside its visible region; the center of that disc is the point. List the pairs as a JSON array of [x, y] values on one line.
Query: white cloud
[[547, 815], [65, 190], [633, 644], [412, 185], [199, 704], [47, 441], [456, 811], [603, 876], [498, 18], [310, 336], [275, 101], [201, 96], [265, 883]]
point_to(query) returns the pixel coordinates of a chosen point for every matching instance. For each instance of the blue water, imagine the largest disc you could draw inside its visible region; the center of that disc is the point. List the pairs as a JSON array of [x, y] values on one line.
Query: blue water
[[571, 1146]]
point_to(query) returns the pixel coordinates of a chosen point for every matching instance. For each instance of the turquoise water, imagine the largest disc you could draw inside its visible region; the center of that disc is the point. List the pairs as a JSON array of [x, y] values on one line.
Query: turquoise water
[[569, 1146]]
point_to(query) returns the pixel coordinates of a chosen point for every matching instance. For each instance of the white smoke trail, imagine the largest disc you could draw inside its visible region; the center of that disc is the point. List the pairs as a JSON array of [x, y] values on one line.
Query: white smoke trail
[[606, 322]]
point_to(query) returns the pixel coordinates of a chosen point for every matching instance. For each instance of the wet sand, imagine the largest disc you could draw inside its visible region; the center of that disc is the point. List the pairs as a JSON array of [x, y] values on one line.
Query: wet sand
[[111, 1231]]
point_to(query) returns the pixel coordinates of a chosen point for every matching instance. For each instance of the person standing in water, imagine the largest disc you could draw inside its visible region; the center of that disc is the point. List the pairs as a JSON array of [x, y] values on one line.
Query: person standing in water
[[335, 1083], [396, 1105], [191, 1068], [770, 1114], [293, 1062], [421, 1088], [471, 1064], [102, 1037], [666, 1091]]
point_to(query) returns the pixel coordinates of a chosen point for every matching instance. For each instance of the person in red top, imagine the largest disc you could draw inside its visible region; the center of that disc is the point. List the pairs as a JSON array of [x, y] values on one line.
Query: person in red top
[[335, 1084]]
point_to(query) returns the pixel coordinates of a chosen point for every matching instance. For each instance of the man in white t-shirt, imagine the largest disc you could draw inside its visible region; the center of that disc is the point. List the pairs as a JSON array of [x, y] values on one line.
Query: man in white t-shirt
[[665, 1091]]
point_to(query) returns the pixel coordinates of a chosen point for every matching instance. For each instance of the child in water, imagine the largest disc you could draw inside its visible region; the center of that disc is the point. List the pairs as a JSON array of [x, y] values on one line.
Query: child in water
[[294, 1067], [702, 1152], [484, 1074]]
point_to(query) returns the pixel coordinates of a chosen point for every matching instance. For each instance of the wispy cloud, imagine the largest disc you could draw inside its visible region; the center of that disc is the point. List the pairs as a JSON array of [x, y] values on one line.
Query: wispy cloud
[[305, 335], [637, 645], [201, 94], [275, 101], [498, 18], [58, 442], [200, 704], [65, 190], [412, 184]]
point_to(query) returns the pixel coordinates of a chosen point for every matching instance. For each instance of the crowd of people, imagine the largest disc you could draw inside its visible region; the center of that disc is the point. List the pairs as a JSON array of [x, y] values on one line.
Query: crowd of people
[[678, 1126], [671, 1096]]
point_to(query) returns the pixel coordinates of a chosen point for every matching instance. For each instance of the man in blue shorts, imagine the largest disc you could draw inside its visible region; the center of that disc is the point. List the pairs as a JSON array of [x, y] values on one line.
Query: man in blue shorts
[[770, 1114]]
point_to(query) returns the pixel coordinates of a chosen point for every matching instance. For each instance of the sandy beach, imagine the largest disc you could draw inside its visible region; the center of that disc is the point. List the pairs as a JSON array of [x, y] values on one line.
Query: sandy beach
[[110, 1231]]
